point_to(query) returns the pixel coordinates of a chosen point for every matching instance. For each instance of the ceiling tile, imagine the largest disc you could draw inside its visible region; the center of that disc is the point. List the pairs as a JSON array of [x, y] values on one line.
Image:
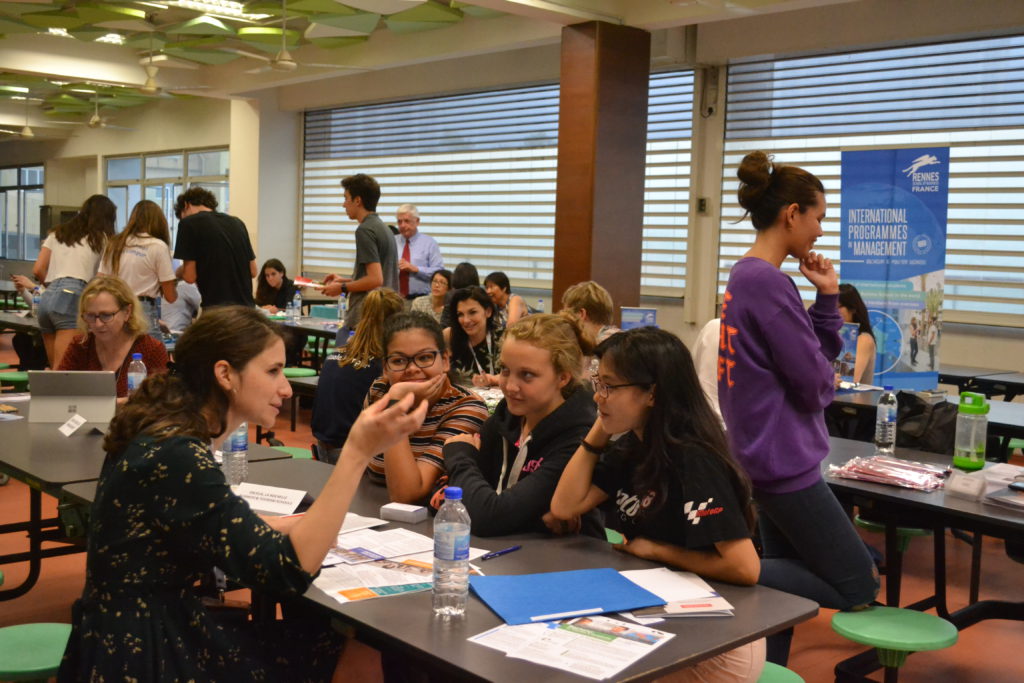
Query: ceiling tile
[[12, 26], [340, 41], [384, 6], [428, 11], [329, 25], [326, 6], [95, 12], [67, 19], [201, 26]]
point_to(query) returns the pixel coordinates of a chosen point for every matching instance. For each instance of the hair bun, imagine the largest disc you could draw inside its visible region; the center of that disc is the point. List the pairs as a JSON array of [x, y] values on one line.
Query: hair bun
[[755, 174]]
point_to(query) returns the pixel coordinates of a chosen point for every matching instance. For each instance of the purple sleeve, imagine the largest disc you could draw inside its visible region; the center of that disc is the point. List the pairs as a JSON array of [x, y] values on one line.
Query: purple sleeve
[[799, 352], [826, 320]]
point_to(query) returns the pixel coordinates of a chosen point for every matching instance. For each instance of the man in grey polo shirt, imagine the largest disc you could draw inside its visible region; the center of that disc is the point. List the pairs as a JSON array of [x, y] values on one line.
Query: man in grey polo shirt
[[376, 257]]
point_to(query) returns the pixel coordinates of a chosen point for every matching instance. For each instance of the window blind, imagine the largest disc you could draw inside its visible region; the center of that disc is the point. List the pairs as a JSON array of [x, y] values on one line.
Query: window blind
[[481, 168], [968, 95]]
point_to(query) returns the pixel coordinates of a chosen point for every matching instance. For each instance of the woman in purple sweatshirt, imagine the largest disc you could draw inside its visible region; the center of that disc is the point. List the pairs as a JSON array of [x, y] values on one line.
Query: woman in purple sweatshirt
[[775, 379]]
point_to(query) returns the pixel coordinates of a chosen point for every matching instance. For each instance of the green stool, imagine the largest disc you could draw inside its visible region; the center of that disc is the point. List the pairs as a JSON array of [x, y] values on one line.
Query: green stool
[[296, 452], [893, 565], [16, 378], [290, 373], [773, 673], [903, 533], [895, 633], [5, 366], [32, 652]]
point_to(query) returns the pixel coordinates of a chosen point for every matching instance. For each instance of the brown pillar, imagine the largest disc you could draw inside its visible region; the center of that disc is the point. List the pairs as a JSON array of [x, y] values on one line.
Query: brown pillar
[[602, 137]]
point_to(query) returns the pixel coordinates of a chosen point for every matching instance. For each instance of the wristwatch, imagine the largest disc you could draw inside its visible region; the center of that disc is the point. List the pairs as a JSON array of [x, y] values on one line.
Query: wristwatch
[[344, 288]]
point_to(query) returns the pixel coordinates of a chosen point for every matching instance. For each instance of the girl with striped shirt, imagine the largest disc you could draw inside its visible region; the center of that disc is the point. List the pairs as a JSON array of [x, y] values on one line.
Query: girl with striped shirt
[[417, 361]]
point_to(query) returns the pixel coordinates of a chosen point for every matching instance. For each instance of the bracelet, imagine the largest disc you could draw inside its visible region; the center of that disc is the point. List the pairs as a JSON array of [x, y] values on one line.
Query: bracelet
[[587, 446]]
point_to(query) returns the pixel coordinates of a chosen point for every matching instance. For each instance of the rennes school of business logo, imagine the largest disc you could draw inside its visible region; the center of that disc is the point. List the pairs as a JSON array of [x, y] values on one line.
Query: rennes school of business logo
[[695, 513]]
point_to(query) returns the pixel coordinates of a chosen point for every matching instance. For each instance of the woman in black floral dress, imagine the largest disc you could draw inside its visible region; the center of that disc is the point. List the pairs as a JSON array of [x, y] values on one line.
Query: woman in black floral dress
[[164, 516]]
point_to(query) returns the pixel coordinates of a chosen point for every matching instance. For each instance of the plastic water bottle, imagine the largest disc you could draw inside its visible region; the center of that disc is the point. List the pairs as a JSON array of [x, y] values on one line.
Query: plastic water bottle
[[136, 373], [451, 555], [296, 306], [236, 455], [342, 310], [885, 422], [540, 306], [36, 297], [971, 432]]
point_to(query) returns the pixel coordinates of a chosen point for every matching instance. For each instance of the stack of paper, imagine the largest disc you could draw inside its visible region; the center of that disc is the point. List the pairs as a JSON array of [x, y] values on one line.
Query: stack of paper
[[685, 595], [595, 647]]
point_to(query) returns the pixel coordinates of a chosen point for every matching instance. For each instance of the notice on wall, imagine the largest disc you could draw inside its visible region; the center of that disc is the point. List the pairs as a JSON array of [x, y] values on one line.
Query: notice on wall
[[894, 207]]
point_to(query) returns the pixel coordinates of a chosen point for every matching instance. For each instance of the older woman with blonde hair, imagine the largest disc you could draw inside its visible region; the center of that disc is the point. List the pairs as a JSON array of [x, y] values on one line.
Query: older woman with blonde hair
[[113, 327]]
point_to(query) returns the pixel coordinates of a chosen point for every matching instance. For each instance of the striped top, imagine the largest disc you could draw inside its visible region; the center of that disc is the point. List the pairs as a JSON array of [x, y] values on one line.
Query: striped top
[[458, 411]]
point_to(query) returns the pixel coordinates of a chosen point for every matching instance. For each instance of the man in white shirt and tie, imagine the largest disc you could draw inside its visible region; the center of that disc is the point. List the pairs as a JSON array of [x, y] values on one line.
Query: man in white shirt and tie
[[419, 256]]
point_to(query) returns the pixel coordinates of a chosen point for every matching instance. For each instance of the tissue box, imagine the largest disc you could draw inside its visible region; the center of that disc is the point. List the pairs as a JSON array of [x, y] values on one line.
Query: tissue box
[[400, 512]]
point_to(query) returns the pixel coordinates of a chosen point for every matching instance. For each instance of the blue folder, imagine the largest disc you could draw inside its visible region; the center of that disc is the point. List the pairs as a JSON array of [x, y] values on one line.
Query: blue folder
[[529, 598]]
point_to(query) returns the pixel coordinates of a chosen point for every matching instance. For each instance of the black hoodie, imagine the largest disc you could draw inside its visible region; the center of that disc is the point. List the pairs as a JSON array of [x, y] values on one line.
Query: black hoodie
[[551, 444]]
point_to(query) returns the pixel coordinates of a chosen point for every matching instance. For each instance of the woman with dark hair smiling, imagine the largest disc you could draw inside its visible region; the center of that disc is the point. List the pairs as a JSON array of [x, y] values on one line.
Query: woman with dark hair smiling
[[473, 338], [671, 458], [853, 310], [508, 307], [164, 515], [776, 381]]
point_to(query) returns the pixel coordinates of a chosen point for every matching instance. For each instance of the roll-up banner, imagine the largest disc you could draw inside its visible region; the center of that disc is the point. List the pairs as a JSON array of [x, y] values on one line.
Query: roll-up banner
[[894, 205]]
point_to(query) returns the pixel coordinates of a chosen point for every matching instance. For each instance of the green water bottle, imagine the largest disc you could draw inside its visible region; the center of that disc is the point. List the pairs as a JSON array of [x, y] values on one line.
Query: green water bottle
[[971, 432]]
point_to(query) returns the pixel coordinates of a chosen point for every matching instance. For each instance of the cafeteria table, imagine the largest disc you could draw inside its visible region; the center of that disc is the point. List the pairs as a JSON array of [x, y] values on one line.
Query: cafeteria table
[[405, 624], [963, 376], [1009, 385], [895, 506], [41, 457]]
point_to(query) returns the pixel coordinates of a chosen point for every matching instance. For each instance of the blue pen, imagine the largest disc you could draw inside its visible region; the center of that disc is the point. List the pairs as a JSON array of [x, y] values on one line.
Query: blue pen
[[503, 551]]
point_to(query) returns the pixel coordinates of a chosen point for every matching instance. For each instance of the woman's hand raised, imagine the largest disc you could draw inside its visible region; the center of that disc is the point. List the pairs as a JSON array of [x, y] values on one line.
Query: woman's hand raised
[[380, 426]]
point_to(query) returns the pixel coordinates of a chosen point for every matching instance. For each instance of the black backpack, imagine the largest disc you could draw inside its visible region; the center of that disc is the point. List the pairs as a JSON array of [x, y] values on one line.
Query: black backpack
[[925, 426]]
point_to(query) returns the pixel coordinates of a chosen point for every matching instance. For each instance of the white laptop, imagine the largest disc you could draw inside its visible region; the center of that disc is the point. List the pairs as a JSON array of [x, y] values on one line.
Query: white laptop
[[58, 395]]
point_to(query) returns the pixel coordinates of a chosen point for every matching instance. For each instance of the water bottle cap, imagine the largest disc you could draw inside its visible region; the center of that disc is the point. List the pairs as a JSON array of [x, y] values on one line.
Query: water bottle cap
[[136, 356], [452, 493], [888, 387], [973, 404]]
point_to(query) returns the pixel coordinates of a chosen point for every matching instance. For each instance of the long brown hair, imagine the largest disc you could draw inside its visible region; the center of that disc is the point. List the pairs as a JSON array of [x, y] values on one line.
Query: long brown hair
[[147, 219], [681, 416], [94, 222], [265, 294], [188, 401], [367, 343]]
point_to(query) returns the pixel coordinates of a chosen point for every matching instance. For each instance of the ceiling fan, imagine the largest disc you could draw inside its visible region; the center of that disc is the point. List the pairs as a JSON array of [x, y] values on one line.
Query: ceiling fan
[[283, 60], [95, 121]]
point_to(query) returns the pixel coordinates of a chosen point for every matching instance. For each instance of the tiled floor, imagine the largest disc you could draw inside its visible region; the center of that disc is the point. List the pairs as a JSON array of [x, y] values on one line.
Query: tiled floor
[[986, 652]]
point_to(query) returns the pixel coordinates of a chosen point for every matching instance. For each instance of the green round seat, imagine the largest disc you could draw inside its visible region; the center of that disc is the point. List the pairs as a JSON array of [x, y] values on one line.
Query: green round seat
[[31, 652], [5, 366], [903, 533], [895, 632], [291, 373], [773, 673], [295, 452], [16, 378]]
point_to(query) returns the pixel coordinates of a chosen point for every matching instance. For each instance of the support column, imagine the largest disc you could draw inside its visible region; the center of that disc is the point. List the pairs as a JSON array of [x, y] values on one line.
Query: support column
[[602, 138]]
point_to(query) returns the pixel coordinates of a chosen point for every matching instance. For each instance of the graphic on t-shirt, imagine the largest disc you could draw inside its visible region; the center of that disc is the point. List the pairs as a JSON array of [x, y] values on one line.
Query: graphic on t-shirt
[[631, 504], [695, 514]]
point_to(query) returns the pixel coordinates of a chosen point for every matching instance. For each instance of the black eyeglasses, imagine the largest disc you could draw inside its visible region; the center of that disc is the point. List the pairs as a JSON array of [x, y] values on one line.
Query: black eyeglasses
[[397, 362], [102, 317], [602, 389]]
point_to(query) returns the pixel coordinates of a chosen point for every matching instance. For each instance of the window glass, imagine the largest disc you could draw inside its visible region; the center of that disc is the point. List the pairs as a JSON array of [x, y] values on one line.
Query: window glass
[[213, 163], [127, 168], [165, 166]]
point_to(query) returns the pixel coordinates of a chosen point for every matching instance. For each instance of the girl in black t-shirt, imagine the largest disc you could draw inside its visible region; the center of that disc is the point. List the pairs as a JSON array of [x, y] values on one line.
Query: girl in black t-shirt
[[675, 492]]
